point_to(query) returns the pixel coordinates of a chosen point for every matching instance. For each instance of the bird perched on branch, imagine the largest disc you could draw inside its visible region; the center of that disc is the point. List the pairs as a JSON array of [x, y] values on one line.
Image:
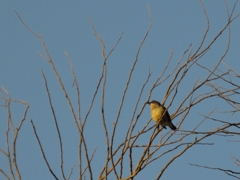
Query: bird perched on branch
[[160, 115]]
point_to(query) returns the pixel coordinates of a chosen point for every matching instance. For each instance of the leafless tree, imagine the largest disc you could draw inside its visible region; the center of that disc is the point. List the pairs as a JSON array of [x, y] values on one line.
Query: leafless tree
[[231, 79], [120, 158]]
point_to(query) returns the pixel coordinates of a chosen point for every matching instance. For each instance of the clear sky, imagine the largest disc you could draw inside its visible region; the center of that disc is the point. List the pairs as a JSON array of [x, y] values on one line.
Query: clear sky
[[65, 26]]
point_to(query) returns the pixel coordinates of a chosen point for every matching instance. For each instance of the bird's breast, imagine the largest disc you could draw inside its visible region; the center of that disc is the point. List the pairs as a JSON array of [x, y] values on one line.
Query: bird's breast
[[157, 113]]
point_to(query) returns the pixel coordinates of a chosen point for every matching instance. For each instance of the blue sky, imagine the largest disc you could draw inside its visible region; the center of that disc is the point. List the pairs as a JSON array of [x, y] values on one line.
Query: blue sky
[[65, 26]]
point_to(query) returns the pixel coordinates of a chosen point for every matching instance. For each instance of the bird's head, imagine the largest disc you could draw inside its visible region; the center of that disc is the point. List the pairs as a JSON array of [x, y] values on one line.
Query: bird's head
[[153, 104]]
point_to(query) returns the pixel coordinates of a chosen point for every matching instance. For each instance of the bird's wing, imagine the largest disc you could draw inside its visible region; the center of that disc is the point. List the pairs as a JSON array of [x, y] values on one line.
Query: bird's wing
[[167, 115]]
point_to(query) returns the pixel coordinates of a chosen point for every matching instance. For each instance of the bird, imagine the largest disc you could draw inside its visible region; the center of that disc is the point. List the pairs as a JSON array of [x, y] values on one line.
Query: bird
[[160, 115]]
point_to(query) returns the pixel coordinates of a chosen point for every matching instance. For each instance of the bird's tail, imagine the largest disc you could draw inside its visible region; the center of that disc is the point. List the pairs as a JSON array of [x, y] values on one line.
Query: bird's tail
[[172, 126]]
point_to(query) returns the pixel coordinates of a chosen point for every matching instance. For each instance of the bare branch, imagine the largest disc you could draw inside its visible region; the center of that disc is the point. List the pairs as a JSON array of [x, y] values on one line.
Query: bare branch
[[227, 171], [42, 151], [56, 124]]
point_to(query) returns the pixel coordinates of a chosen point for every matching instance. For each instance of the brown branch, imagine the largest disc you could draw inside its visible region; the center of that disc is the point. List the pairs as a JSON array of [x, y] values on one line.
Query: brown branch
[[6, 176], [104, 76], [71, 171], [15, 139], [127, 84], [42, 151], [49, 59], [77, 88], [9, 155], [56, 124], [79, 115], [227, 171], [90, 161]]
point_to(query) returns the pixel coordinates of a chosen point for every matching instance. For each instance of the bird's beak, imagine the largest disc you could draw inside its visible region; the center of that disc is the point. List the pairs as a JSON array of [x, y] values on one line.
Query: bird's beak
[[148, 102]]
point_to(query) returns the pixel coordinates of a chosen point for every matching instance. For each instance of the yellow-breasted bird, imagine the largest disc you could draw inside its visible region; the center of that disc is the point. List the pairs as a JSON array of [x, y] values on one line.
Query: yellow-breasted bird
[[160, 113]]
